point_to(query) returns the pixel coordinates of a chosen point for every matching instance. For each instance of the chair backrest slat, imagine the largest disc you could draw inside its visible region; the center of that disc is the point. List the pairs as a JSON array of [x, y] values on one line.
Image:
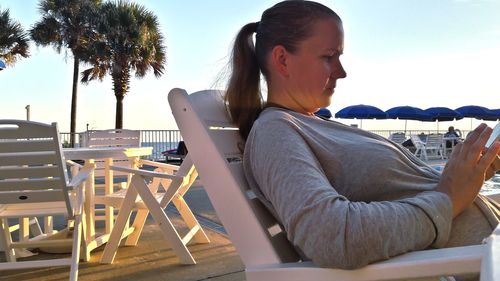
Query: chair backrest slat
[[29, 171], [113, 142], [27, 131], [114, 137], [31, 184], [28, 145], [31, 158], [214, 145], [32, 166], [29, 196]]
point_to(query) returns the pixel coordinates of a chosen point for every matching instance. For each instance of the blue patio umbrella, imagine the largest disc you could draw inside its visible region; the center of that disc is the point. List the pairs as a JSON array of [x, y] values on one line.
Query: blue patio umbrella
[[478, 112], [361, 111], [408, 113], [324, 112], [2, 65], [496, 113], [443, 114]]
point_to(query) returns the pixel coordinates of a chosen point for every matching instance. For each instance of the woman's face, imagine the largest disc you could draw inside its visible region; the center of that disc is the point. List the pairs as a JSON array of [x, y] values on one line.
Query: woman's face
[[315, 66]]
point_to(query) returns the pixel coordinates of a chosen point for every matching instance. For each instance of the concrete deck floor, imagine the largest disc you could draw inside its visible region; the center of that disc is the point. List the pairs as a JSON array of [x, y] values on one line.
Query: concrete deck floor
[[152, 259]]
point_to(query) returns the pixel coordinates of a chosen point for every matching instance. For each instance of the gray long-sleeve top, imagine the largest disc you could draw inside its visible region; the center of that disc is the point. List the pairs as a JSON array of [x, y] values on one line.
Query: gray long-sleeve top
[[346, 197]]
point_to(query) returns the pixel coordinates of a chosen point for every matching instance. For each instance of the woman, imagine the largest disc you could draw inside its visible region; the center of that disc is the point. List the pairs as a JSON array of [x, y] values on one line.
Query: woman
[[346, 197]]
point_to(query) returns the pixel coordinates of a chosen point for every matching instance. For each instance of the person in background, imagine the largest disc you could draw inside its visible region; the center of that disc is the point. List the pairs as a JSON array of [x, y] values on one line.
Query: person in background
[[453, 137], [345, 197]]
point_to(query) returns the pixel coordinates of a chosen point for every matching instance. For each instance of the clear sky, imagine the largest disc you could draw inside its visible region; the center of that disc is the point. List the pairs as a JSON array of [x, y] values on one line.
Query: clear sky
[[422, 53]]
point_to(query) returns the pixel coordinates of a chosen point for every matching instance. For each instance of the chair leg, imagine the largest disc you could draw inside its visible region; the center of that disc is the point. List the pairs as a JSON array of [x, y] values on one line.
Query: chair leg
[[48, 224], [84, 252], [75, 253], [35, 227], [191, 221], [168, 230], [115, 237], [24, 229], [138, 224], [7, 241]]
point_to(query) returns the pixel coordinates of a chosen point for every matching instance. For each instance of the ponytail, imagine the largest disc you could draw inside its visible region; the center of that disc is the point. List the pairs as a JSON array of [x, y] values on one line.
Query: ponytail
[[243, 94]]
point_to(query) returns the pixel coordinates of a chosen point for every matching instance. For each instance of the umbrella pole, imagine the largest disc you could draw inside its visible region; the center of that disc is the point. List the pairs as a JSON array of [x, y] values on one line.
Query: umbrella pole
[[361, 124], [405, 126]]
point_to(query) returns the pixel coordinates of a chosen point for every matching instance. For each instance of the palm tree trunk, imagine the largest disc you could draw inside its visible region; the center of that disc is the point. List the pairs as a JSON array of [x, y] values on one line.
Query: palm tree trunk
[[74, 95], [119, 112], [120, 87]]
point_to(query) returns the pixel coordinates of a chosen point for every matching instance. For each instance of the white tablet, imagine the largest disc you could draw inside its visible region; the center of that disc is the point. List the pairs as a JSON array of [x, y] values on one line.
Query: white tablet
[[495, 135]]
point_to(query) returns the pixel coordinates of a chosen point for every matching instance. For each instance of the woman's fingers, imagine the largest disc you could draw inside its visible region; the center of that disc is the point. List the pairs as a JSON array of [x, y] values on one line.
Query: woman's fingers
[[474, 144], [490, 158]]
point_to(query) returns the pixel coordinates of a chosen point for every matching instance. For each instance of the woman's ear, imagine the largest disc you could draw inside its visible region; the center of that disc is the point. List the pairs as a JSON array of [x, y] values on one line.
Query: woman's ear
[[279, 60]]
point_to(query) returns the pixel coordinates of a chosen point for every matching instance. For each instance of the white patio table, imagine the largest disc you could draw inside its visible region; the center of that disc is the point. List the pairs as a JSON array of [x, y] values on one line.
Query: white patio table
[[94, 240]]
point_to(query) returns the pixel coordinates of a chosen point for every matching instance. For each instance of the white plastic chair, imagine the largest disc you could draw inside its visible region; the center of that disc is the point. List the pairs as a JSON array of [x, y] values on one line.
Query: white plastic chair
[[214, 145], [436, 145], [33, 182], [145, 196], [398, 138], [110, 138]]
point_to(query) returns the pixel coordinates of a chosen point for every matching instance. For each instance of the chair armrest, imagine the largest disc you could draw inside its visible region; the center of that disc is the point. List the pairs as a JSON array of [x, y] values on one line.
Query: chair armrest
[[81, 177], [489, 264], [144, 173], [169, 167], [419, 264], [74, 164]]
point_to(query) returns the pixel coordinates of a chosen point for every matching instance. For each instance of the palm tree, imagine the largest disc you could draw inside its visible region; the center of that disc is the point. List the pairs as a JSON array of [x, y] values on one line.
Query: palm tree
[[14, 42], [68, 24], [130, 40]]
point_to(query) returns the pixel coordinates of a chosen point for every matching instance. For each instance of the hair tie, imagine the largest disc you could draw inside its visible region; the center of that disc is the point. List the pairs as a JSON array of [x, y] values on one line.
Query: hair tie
[[257, 26]]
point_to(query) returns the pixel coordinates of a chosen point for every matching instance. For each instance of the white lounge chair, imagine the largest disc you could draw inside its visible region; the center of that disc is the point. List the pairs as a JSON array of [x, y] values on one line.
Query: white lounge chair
[[33, 182], [398, 138], [215, 147], [436, 145], [433, 146], [145, 196]]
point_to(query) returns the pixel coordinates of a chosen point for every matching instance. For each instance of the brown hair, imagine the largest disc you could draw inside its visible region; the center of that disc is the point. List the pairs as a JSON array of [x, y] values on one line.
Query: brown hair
[[287, 23]]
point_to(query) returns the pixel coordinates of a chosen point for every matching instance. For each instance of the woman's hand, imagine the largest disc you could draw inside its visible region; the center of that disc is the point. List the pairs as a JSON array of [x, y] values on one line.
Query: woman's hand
[[465, 171]]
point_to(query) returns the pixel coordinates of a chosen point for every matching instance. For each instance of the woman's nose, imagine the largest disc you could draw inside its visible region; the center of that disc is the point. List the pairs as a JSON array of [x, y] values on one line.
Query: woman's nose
[[339, 72]]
